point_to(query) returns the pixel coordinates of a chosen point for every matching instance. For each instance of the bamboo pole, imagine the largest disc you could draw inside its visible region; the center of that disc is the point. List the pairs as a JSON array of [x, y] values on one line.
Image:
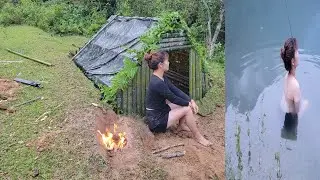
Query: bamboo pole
[[138, 85], [193, 75], [33, 59], [143, 86], [134, 94], [130, 98], [125, 101], [190, 75], [119, 101], [198, 76]]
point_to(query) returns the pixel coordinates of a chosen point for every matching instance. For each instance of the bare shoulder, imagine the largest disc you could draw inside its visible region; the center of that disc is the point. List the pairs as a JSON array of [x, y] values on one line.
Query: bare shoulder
[[295, 89], [293, 84]]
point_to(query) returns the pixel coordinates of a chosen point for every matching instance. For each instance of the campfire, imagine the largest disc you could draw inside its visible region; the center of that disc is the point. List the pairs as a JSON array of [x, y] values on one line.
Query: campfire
[[113, 141]]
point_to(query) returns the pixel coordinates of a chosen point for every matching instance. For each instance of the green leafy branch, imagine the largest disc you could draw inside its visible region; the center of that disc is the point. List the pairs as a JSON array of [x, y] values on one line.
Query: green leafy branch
[[119, 82]]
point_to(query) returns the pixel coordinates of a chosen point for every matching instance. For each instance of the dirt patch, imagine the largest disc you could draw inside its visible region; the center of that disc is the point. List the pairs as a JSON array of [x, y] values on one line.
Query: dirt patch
[[199, 162], [136, 161], [8, 89], [44, 142]]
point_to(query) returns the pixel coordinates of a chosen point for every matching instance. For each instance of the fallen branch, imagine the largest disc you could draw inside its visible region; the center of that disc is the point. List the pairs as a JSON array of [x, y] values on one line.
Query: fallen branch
[[166, 148], [96, 105], [45, 115], [11, 61], [27, 102], [175, 154], [33, 59], [42, 116]]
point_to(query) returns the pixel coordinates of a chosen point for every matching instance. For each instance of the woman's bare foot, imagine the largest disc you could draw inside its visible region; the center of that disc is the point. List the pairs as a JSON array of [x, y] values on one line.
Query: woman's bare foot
[[203, 141]]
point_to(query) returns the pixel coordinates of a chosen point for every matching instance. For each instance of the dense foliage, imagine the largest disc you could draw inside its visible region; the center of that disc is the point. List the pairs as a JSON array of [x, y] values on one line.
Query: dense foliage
[[83, 17], [60, 18]]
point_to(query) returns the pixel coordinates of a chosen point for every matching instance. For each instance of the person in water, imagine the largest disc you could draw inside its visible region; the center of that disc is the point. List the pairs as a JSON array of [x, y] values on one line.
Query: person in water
[[292, 103], [166, 105]]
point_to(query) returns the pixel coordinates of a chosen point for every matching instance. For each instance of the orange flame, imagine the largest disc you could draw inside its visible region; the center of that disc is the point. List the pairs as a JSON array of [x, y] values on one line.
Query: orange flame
[[112, 140]]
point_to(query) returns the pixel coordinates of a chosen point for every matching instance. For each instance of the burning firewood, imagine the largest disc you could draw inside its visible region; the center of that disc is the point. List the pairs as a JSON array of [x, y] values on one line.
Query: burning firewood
[[166, 148], [113, 141]]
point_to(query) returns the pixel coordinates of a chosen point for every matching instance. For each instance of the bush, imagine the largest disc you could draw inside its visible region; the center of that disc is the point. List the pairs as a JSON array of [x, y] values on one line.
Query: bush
[[60, 18], [219, 54]]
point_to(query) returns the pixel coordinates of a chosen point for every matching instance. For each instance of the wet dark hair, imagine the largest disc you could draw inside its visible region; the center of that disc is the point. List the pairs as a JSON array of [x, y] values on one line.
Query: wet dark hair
[[288, 52], [154, 58]]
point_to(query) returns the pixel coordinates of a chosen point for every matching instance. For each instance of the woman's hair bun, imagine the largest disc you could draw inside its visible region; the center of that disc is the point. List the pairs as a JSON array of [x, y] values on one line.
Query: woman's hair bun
[[283, 52], [148, 56]]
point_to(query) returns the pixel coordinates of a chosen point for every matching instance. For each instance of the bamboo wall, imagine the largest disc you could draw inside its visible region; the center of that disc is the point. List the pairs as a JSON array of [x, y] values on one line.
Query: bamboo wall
[[132, 100]]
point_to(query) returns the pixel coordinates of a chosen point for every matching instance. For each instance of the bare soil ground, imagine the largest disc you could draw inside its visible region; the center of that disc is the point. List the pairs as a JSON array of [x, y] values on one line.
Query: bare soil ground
[[136, 160], [8, 90]]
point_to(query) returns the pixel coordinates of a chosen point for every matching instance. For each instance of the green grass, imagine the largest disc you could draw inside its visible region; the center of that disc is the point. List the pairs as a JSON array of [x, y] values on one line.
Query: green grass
[[216, 94], [63, 83]]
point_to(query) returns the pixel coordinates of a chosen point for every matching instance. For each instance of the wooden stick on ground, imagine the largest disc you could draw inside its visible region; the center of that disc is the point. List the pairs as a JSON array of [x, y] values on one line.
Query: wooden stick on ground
[[11, 61], [27, 102], [163, 149], [48, 112], [33, 59], [175, 154]]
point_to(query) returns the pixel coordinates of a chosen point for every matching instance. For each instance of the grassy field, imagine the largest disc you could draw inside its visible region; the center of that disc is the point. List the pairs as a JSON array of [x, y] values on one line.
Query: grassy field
[[63, 84]]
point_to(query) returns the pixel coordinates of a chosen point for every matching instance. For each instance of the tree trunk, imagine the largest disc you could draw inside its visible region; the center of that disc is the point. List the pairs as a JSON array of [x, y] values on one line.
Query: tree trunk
[[216, 33], [209, 24]]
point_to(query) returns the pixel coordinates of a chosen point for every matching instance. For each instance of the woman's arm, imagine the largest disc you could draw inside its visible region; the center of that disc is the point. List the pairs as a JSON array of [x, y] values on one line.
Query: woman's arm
[[177, 91], [163, 89], [299, 103]]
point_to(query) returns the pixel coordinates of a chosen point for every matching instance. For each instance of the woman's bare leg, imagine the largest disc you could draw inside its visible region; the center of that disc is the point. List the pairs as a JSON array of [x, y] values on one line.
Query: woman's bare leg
[[182, 123], [175, 115]]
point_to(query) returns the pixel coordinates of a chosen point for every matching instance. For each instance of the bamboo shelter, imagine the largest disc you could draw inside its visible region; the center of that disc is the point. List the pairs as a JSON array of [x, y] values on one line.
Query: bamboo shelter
[[102, 58]]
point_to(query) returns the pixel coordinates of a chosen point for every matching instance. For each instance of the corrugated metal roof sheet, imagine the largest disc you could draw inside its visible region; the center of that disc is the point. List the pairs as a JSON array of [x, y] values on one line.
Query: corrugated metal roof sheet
[[102, 57]]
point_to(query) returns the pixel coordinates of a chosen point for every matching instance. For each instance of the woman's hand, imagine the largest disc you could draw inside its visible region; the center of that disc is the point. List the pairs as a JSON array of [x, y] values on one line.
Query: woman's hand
[[304, 106], [194, 106]]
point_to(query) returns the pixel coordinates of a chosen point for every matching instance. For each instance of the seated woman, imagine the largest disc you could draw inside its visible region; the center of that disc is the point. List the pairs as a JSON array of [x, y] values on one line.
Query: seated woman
[[166, 105], [292, 103]]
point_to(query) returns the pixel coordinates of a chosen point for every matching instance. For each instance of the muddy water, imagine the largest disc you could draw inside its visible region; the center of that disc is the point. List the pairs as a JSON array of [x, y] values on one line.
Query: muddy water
[[257, 145]]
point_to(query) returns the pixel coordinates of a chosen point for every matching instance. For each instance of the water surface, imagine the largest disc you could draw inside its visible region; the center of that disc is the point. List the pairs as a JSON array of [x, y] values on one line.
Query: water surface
[[257, 146]]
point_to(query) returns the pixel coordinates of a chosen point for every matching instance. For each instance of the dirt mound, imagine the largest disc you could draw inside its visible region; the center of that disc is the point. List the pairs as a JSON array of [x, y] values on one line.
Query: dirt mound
[[78, 134], [136, 160], [8, 89]]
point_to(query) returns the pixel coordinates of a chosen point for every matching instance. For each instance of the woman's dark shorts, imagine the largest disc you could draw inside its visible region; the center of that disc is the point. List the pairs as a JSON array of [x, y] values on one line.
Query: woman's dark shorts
[[158, 120]]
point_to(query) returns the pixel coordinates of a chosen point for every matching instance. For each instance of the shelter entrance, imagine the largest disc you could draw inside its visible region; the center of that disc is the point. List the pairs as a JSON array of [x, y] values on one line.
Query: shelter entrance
[[179, 69]]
